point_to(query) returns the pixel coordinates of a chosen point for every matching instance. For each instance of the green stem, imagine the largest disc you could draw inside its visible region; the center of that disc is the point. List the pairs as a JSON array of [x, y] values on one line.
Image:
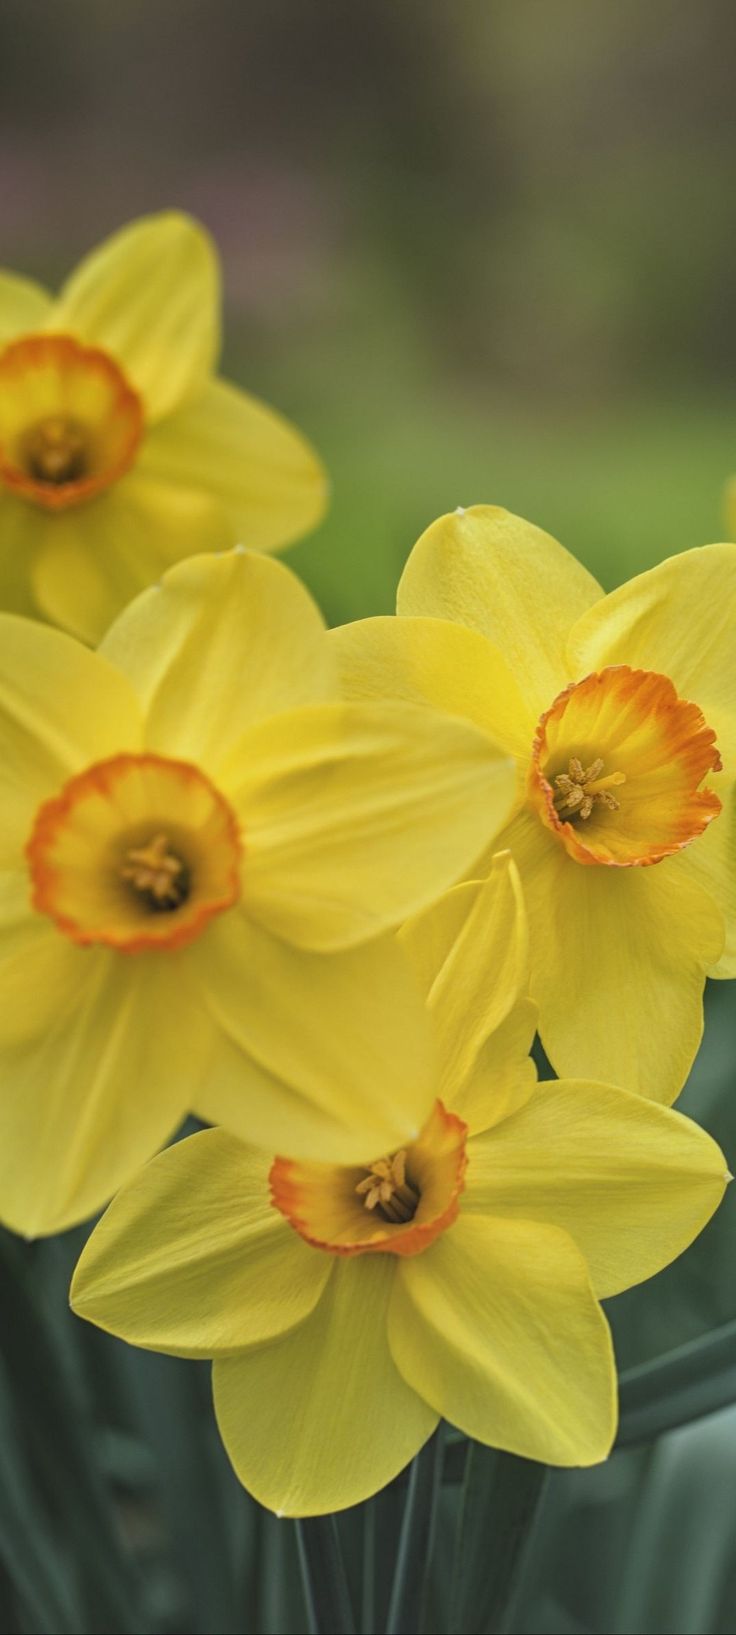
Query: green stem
[[416, 1539], [499, 1503], [368, 1593], [326, 1593]]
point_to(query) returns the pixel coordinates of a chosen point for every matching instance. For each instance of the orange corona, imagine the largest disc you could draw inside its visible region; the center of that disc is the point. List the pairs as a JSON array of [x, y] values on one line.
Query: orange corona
[[70, 423], [616, 764], [330, 1206], [137, 852]]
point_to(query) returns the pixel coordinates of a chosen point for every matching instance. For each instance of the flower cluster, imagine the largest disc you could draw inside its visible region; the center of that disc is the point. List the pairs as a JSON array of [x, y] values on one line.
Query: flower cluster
[[321, 889]]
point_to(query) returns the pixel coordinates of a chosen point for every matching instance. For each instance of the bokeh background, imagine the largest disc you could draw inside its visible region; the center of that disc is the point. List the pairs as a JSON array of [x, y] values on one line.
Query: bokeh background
[[481, 250]]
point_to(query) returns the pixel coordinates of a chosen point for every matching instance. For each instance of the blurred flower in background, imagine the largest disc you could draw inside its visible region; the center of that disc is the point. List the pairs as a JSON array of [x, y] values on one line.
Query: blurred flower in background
[[119, 451]]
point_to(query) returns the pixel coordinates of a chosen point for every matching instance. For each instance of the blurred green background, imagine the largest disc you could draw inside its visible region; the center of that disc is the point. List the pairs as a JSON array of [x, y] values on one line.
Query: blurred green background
[[480, 252]]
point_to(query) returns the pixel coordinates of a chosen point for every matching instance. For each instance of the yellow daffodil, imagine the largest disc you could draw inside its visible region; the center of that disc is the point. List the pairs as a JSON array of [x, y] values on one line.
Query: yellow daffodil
[[203, 847], [120, 453], [621, 713], [348, 1308]]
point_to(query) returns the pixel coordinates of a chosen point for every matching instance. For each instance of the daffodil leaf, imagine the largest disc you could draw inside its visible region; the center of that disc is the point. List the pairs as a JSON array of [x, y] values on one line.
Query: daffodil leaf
[[499, 1502], [33, 1565], [685, 1384], [70, 1511], [326, 1593], [416, 1538]]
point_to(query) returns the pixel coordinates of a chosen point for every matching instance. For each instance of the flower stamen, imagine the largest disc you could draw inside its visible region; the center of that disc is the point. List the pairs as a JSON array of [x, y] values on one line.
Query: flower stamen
[[157, 873], [55, 450], [397, 1205], [386, 1189], [581, 788]]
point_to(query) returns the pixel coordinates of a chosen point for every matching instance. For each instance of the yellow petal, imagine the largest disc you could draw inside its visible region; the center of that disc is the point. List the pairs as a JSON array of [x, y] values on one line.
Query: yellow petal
[[488, 569], [631, 1182], [91, 561], [430, 661], [356, 815], [149, 296], [23, 306], [324, 1056], [322, 1419], [22, 531], [678, 619], [265, 475], [496, 1326], [96, 1061], [711, 861], [20, 926], [429, 937], [222, 642], [618, 963], [191, 1257], [472, 973], [505, 1076], [60, 708]]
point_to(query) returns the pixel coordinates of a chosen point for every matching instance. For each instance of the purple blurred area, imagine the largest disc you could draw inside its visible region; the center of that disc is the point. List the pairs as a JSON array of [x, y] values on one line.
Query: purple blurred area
[[545, 191]]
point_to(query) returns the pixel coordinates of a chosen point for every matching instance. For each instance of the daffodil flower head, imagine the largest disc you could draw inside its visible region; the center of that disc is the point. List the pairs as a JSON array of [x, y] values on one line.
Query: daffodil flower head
[[620, 712], [602, 814], [348, 1307], [398, 1203], [205, 852], [120, 452]]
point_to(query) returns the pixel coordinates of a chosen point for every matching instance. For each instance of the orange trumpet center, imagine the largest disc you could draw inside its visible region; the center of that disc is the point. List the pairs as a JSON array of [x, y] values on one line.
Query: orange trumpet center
[[616, 766], [138, 852], [396, 1205], [70, 424]]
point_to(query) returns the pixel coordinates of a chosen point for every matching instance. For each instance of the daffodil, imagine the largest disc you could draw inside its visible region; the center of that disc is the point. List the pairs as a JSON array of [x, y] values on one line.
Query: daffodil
[[620, 711], [203, 850], [120, 453], [348, 1308]]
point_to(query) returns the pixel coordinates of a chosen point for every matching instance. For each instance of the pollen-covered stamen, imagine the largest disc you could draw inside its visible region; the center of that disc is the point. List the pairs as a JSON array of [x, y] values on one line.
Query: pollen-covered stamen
[[55, 450], [157, 873], [386, 1189], [581, 788]]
